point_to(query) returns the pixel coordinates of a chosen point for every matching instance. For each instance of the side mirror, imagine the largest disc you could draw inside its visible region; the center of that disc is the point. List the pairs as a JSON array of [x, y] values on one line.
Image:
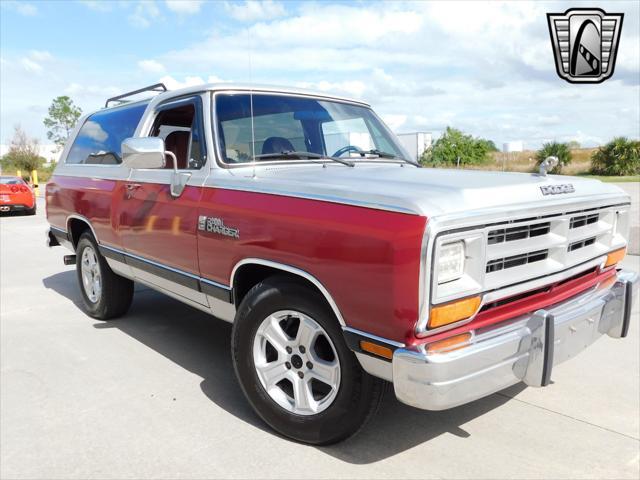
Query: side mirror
[[144, 152]]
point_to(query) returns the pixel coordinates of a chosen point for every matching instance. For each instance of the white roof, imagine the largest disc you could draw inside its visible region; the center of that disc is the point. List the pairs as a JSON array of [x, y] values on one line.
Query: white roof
[[246, 87]]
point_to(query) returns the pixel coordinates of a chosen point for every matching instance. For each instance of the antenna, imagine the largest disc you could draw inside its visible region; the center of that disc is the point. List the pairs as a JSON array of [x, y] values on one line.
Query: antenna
[[253, 134]]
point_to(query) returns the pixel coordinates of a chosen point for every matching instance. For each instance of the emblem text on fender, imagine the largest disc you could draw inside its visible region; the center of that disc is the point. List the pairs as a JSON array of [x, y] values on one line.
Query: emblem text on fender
[[585, 43], [557, 189], [216, 225]]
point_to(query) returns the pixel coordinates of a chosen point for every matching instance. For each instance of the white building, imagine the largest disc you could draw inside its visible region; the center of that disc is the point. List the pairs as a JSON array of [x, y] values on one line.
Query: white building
[[415, 143], [513, 146]]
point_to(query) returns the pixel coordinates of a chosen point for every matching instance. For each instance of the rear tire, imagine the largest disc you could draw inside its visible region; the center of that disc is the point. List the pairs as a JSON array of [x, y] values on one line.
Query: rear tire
[[105, 294], [317, 394]]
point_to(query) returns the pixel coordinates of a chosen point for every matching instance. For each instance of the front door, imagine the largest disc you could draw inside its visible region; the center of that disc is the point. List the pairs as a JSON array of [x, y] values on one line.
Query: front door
[[158, 228]]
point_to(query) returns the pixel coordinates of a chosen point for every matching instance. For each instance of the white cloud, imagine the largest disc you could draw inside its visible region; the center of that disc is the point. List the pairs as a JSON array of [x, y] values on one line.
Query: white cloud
[[144, 13], [187, 7], [23, 8], [353, 88], [40, 55], [31, 66], [93, 130], [173, 84], [97, 5], [394, 121], [252, 10], [93, 91], [151, 66]]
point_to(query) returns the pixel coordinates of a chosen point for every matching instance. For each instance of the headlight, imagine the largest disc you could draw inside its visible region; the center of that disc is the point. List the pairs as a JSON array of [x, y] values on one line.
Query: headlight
[[450, 262]]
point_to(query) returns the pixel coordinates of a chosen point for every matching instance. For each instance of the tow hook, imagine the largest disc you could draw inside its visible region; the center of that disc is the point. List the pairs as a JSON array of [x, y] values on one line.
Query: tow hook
[[69, 259]]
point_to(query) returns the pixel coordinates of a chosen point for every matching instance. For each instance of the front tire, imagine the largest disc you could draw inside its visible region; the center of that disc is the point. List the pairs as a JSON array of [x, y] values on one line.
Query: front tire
[[295, 368], [105, 294]]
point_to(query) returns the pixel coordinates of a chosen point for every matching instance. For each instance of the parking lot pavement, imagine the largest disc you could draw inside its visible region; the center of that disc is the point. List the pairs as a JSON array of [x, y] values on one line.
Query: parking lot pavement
[[153, 395]]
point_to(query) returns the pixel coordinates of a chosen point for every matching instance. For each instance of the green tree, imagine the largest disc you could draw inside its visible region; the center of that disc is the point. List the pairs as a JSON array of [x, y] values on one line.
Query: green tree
[[63, 115], [24, 152], [454, 146], [620, 156], [556, 149]]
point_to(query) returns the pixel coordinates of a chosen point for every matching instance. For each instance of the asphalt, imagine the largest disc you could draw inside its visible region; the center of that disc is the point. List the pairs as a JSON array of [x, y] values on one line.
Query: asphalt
[[153, 395]]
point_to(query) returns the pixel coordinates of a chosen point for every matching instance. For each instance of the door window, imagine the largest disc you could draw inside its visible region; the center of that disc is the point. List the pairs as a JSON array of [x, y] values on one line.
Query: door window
[[180, 126]]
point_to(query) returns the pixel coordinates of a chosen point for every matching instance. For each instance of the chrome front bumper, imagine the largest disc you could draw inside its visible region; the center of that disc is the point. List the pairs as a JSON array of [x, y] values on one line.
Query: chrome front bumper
[[523, 350]]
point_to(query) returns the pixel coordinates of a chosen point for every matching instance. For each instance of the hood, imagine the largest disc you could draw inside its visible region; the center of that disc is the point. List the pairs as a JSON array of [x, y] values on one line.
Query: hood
[[423, 191]]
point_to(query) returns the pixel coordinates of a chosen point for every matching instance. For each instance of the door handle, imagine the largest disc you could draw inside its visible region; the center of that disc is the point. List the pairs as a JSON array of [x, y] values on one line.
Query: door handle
[[131, 187]]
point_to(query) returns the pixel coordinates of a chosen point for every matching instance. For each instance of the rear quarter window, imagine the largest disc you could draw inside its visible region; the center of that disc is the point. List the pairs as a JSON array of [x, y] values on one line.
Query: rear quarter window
[[99, 140]]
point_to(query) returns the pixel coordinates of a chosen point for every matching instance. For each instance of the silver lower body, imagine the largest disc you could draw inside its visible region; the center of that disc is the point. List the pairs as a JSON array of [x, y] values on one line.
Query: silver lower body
[[523, 350]]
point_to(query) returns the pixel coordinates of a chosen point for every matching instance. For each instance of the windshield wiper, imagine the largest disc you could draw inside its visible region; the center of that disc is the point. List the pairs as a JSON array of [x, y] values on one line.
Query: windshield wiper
[[310, 155], [381, 154]]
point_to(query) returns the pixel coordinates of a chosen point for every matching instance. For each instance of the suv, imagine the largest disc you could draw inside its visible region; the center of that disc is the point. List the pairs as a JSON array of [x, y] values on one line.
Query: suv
[[342, 265]]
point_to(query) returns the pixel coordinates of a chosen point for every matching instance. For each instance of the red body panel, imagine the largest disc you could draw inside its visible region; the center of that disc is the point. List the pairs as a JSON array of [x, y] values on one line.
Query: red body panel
[[88, 197], [369, 260], [17, 195], [159, 227]]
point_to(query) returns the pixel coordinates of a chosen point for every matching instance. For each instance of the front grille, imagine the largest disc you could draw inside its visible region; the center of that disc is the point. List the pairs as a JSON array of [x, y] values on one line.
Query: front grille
[[516, 260], [518, 233], [581, 244], [582, 220], [526, 248]]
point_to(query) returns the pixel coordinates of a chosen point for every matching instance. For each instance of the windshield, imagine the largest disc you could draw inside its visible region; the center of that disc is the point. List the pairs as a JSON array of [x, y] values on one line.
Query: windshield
[[283, 124], [11, 181]]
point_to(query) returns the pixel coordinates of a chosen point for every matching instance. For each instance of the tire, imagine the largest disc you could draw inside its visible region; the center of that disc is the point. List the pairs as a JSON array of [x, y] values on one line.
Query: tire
[[111, 296], [319, 419]]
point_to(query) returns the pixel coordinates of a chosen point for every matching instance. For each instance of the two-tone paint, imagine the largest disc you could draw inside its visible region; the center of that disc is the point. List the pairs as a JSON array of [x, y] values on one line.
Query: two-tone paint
[[362, 236]]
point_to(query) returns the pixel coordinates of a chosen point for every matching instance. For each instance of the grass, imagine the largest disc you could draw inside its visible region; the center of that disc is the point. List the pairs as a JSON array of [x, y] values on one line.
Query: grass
[[625, 179], [526, 162]]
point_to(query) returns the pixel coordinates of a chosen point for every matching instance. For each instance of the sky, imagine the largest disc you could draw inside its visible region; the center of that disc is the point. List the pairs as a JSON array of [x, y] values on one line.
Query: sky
[[484, 67]]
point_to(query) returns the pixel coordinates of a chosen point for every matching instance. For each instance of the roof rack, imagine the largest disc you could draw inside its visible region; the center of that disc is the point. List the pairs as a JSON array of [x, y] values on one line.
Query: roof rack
[[156, 87]]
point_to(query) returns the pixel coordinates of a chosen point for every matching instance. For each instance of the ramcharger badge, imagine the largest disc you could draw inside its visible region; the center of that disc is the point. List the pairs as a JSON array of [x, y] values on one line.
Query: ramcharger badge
[[557, 189], [216, 225]]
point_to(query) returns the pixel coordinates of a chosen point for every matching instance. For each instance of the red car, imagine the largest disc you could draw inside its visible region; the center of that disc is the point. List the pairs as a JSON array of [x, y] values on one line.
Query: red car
[[342, 264], [16, 195]]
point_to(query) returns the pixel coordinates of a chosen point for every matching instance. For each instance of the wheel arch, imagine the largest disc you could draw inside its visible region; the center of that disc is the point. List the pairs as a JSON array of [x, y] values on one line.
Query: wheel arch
[[249, 271], [76, 225]]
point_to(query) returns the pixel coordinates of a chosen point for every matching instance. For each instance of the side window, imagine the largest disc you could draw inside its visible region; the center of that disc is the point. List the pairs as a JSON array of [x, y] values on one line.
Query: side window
[[180, 126], [99, 140]]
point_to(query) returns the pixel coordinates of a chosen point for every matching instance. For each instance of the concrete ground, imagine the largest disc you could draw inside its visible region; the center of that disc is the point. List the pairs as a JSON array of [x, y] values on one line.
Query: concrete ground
[[153, 395]]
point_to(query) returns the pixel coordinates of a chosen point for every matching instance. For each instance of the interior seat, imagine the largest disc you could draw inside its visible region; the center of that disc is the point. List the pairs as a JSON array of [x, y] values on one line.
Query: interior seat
[[277, 145], [177, 142]]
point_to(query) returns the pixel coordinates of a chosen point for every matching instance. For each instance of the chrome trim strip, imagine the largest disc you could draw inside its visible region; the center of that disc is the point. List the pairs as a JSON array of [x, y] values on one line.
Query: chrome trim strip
[[373, 337], [177, 271], [295, 271]]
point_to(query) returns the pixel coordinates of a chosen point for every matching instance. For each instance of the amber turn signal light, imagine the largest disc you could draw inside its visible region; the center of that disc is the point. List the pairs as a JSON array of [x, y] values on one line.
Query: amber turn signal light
[[453, 312], [448, 344], [375, 349], [615, 257]]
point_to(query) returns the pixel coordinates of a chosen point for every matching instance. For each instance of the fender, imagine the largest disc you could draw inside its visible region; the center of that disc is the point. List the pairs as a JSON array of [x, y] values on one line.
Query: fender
[[295, 271]]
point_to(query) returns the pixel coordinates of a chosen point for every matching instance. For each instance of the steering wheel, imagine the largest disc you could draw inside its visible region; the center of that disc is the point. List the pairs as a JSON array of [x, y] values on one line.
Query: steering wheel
[[348, 148]]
